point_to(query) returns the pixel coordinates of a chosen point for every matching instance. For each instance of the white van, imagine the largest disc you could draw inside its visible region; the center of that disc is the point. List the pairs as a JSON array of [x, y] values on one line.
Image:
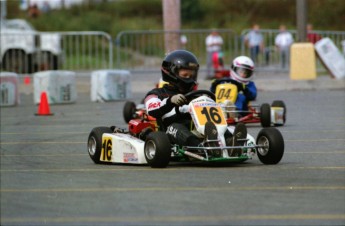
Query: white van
[[25, 50]]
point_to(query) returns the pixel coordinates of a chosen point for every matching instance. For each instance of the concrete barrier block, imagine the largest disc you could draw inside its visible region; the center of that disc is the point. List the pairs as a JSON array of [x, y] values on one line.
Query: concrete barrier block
[[109, 85], [9, 94], [60, 86], [302, 62], [331, 57]]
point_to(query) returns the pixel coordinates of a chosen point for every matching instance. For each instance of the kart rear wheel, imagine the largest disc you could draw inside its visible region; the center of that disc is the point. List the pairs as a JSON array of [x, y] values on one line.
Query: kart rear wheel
[[157, 149], [274, 142], [280, 103], [265, 115], [94, 143], [129, 110]]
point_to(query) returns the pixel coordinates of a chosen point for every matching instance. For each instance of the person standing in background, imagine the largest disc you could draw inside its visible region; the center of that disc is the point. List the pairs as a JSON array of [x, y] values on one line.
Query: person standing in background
[[283, 42], [214, 44], [311, 36], [45, 7], [255, 42], [183, 41], [33, 11]]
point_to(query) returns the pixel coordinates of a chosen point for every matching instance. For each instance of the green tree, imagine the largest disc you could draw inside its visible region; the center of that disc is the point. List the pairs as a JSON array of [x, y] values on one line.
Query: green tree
[[191, 10]]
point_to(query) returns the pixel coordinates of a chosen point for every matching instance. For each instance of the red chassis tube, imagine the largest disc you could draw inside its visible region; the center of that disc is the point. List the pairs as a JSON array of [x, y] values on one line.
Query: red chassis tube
[[252, 117]]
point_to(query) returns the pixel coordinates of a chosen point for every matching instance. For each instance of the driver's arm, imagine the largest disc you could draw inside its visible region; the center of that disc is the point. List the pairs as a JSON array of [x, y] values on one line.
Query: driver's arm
[[250, 91], [156, 107]]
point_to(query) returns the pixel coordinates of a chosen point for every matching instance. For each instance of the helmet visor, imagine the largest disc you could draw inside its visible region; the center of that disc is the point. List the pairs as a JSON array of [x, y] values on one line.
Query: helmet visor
[[187, 73], [243, 72]]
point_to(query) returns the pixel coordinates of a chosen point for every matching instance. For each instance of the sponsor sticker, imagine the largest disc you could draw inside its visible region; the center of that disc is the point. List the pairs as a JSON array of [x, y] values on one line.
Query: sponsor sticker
[[130, 157], [154, 105], [172, 131]]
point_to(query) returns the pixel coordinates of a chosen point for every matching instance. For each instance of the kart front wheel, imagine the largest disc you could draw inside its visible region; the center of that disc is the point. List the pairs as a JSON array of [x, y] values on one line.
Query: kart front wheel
[[265, 115], [273, 143], [94, 143], [157, 149], [128, 111]]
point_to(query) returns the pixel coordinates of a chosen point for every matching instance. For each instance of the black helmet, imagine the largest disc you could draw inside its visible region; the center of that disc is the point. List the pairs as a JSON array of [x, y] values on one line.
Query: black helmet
[[175, 61]]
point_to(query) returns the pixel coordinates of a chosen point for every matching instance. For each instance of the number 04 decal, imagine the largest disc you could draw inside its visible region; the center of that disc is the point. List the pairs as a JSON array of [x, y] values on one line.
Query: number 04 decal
[[208, 113]]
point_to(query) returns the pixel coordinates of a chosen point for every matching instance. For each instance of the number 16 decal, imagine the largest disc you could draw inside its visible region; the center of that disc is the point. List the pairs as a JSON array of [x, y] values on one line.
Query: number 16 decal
[[208, 113], [106, 149]]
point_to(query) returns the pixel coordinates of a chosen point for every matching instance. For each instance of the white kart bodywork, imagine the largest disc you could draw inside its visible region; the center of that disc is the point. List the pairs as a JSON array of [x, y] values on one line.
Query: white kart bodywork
[[125, 148], [122, 148], [205, 101]]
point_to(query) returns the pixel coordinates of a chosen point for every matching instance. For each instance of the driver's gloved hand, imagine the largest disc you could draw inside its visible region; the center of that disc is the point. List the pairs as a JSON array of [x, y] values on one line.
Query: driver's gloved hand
[[241, 87], [178, 99], [184, 109]]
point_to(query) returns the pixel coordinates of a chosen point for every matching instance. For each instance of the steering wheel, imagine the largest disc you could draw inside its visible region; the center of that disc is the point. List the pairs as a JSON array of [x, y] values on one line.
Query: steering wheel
[[197, 93], [229, 80]]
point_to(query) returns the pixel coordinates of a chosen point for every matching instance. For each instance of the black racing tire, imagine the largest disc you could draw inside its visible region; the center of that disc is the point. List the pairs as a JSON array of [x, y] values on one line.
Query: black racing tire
[[55, 63], [157, 149], [273, 139], [17, 61], [48, 61], [129, 110], [94, 143], [280, 103], [265, 115]]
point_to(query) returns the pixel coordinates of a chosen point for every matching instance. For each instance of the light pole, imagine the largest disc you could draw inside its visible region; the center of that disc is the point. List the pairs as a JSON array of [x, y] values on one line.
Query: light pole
[[172, 22], [3, 10], [301, 9]]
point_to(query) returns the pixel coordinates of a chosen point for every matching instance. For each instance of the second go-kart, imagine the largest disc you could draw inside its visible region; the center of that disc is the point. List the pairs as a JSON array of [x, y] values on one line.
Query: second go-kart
[[266, 114], [146, 143]]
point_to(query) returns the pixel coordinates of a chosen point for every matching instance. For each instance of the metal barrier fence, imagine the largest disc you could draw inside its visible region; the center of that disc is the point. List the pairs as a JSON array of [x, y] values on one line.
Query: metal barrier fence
[[270, 59], [145, 50], [131, 50]]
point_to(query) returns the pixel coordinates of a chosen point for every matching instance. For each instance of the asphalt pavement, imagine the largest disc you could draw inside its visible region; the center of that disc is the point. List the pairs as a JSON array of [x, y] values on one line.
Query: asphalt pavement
[[47, 177]]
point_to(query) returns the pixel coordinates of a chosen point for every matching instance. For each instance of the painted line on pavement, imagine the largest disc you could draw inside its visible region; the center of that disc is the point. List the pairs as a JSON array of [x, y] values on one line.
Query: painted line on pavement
[[199, 218]]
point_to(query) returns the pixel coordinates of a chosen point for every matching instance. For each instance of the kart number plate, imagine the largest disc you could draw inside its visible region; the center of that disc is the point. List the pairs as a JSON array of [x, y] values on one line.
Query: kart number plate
[[225, 92], [211, 113]]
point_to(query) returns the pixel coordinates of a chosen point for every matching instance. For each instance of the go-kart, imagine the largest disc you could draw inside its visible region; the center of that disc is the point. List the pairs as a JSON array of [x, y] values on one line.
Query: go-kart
[[266, 114], [145, 142]]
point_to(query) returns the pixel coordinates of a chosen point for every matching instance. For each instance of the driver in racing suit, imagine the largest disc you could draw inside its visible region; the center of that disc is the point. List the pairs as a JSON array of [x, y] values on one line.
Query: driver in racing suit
[[241, 74], [169, 105]]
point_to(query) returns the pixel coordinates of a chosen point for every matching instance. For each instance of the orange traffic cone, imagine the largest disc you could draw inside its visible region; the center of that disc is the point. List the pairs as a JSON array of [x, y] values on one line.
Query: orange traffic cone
[[43, 107]]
